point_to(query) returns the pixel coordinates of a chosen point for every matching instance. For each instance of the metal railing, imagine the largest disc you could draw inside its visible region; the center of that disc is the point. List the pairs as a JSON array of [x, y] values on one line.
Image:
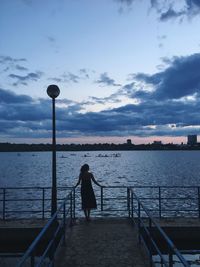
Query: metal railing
[[26, 202], [50, 236], [170, 201], [145, 225], [162, 201]]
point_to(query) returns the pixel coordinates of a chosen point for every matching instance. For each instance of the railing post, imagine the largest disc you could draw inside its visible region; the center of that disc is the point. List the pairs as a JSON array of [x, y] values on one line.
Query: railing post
[[149, 243], [71, 209], [131, 204], [160, 205], [128, 201], [32, 260], [139, 228], [101, 198], [4, 203], [199, 201], [43, 202], [64, 223], [170, 258], [74, 204]]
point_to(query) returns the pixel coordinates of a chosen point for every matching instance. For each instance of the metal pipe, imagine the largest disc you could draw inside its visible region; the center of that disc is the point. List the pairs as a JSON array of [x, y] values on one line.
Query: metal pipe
[[160, 206], [43, 202], [199, 200], [101, 198], [54, 182], [4, 204], [64, 223]]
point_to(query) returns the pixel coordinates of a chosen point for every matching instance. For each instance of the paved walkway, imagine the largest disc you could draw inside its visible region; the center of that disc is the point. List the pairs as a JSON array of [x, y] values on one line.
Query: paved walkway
[[102, 242]]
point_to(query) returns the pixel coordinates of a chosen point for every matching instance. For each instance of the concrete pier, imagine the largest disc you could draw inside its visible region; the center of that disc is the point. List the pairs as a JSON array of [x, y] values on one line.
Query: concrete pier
[[107, 242]]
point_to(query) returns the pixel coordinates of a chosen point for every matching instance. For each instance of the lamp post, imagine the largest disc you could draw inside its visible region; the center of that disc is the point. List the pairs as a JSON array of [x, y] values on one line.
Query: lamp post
[[53, 91]]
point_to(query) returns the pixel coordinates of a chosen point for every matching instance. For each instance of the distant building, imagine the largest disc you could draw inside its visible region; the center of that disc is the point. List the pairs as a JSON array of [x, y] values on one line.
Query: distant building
[[192, 139], [129, 142], [157, 142]]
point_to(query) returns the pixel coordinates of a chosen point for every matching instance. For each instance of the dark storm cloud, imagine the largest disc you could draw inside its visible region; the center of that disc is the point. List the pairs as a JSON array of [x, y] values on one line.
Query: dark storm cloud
[[22, 116], [136, 120], [104, 79], [178, 80], [9, 97], [32, 76]]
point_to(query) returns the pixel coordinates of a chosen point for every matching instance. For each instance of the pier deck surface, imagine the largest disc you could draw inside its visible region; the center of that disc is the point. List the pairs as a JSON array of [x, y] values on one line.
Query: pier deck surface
[[102, 242]]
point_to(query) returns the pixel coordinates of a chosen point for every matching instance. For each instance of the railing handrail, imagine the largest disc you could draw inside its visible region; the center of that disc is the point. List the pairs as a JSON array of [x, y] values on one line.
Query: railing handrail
[[34, 187], [110, 186], [167, 239], [43, 231], [43, 195]]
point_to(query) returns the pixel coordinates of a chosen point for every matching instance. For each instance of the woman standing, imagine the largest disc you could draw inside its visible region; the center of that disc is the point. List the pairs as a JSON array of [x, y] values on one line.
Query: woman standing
[[87, 192]]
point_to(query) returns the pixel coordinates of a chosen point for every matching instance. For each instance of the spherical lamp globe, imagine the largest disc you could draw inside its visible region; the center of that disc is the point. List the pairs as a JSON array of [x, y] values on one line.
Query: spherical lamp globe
[[53, 91]]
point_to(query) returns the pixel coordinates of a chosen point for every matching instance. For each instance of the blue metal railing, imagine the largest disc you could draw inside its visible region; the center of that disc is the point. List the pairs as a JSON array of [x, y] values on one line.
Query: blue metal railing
[[145, 233], [23, 202], [162, 201], [53, 232]]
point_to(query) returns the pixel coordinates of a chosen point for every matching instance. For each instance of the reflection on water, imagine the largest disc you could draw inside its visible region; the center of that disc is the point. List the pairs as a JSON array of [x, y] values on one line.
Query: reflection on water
[[127, 168]]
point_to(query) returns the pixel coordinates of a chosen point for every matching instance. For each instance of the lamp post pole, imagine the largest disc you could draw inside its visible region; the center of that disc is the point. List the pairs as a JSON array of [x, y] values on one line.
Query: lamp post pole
[[53, 91]]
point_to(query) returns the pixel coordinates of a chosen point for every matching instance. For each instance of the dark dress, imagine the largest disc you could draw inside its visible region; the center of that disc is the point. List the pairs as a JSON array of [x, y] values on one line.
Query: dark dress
[[87, 192]]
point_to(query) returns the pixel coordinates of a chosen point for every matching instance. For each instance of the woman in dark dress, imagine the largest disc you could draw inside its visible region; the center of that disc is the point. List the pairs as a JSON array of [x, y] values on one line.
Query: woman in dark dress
[[87, 192]]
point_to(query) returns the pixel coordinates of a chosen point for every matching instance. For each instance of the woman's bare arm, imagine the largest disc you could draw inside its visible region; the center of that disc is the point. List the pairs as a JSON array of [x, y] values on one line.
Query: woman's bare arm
[[93, 179], [79, 180]]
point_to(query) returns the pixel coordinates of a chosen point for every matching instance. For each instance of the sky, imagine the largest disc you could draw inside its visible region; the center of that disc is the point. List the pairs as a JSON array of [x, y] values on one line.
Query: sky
[[125, 69]]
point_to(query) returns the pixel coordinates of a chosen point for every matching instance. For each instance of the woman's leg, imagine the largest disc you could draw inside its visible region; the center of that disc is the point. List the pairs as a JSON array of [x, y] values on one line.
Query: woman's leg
[[85, 212], [88, 214]]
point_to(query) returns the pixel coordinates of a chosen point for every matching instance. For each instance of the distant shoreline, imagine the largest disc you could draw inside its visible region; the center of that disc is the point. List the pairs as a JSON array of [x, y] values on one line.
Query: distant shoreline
[[8, 147]]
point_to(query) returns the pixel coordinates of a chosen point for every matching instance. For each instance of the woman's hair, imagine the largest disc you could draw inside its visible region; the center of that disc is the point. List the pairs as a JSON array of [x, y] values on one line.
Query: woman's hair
[[84, 168]]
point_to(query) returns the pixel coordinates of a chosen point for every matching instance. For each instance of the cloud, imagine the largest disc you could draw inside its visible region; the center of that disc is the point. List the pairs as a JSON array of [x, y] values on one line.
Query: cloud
[[9, 63], [180, 79], [51, 39], [19, 67], [104, 79], [170, 14], [172, 9], [70, 77], [161, 112], [9, 97], [32, 76], [84, 72], [8, 59]]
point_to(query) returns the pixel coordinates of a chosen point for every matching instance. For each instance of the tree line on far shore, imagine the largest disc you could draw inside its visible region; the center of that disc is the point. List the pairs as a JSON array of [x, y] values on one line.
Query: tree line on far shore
[[12, 147]]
